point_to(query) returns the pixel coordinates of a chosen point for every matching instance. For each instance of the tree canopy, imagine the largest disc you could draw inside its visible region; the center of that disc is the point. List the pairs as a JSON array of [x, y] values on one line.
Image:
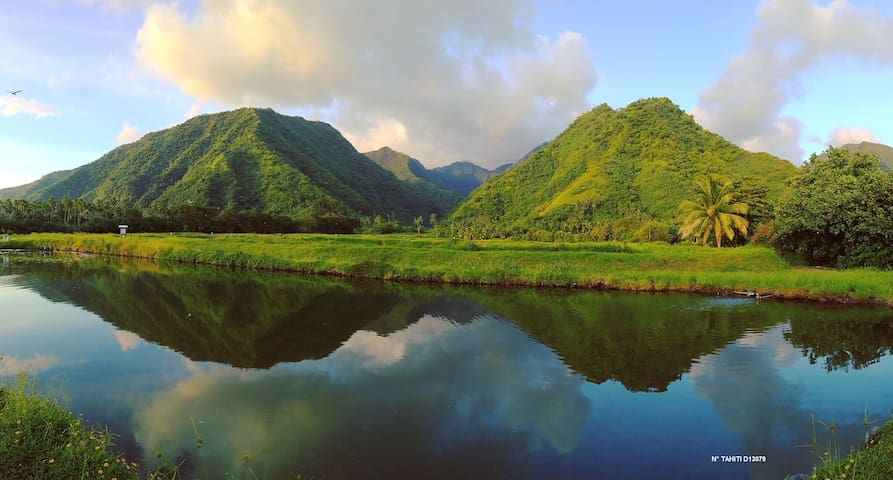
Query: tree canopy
[[838, 212]]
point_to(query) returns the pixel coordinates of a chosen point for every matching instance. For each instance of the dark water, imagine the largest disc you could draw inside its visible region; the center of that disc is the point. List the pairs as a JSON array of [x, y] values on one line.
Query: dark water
[[329, 379]]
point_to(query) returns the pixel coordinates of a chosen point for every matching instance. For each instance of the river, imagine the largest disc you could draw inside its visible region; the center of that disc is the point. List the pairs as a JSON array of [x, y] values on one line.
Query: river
[[286, 376]]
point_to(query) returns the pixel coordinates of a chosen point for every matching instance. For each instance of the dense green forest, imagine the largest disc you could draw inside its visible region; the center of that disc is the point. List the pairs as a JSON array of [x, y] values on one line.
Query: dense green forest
[[883, 153], [617, 175], [247, 159], [103, 216]]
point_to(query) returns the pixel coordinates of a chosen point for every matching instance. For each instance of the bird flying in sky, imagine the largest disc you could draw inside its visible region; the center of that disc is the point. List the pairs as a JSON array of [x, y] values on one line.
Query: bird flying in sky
[[15, 92]]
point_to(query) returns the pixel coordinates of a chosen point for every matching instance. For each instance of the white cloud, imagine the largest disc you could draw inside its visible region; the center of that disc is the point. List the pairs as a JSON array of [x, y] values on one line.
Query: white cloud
[[117, 6], [17, 105], [792, 36], [128, 134], [843, 135], [31, 366], [387, 132], [445, 79], [127, 340]]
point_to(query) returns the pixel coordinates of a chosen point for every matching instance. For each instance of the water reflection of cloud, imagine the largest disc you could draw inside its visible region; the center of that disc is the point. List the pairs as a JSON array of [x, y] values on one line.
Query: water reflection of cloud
[[127, 340], [456, 400], [754, 401], [31, 366], [773, 342]]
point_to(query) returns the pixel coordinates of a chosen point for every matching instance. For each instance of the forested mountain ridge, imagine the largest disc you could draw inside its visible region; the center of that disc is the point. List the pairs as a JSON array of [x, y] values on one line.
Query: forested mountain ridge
[[459, 177], [613, 173], [465, 177], [25, 191], [243, 159], [411, 172]]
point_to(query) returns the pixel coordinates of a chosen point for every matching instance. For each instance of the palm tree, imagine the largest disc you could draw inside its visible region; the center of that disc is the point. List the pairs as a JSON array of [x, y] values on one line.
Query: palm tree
[[712, 212]]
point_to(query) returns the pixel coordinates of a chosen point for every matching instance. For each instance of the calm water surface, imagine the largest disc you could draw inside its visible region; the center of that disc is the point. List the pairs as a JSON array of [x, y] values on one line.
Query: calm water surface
[[333, 379]]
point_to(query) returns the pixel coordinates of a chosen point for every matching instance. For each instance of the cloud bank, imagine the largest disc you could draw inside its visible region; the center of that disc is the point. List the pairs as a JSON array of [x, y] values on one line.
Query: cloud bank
[[128, 134], [791, 37], [843, 135], [444, 80]]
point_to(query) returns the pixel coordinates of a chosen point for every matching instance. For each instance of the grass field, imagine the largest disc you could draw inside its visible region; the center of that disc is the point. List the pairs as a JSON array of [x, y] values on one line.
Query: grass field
[[648, 267]]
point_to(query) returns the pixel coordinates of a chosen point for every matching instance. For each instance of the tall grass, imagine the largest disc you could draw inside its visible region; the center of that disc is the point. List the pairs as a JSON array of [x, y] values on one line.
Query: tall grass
[[420, 258], [40, 439], [872, 463]]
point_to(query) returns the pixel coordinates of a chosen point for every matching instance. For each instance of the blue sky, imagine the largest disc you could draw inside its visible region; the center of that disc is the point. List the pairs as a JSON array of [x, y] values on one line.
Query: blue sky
[[453, 80]]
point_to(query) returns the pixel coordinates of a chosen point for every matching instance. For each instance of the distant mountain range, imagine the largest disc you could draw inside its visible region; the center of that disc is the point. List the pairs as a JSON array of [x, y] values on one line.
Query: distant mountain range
[[245, 159], [613, 172], [460, 178], [883, 152]]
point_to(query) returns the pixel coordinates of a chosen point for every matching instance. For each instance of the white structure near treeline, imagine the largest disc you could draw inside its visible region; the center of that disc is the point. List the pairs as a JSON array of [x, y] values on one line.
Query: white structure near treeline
[[5, 238], [123, 229]]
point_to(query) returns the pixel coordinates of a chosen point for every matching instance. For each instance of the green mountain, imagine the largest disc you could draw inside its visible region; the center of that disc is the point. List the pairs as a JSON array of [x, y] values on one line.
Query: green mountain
[[464, 177], [526, 156], [459, 177], [24, 191], [245, 159], [414, 175], [615, 174], [883, 152]]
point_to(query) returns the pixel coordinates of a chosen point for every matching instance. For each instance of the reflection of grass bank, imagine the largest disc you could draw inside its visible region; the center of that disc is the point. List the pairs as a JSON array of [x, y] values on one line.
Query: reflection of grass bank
[[873, 463], [40, 439], [650, 267]]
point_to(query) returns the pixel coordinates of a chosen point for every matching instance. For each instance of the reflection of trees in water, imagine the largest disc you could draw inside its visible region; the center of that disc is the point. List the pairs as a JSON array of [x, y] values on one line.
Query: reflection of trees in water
[[844, 339]]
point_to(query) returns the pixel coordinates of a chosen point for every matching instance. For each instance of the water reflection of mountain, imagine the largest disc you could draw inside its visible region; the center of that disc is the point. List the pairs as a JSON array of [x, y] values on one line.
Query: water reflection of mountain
[[244, 319], [648, 341], [258, 319]]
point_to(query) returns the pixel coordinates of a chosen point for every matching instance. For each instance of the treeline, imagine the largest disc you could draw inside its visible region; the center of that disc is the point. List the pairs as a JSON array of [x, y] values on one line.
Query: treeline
[[78, 215], [103, 216]]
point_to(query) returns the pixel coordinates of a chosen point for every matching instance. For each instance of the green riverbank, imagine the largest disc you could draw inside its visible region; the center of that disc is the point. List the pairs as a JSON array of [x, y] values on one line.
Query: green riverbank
[[637, 267], [40, 439], [872, 463]]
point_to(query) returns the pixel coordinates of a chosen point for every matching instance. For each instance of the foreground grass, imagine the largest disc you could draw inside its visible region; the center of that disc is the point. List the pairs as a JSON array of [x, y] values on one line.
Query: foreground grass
[[873, 463], [507, 262], [40, 439]]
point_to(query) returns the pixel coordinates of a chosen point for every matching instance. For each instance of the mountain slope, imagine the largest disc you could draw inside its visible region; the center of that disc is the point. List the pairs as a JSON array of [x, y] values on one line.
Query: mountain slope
[[23, 191], [412, 173], [883, 152], [637, 164], [459, 177], [464, 177], [244, 159]]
